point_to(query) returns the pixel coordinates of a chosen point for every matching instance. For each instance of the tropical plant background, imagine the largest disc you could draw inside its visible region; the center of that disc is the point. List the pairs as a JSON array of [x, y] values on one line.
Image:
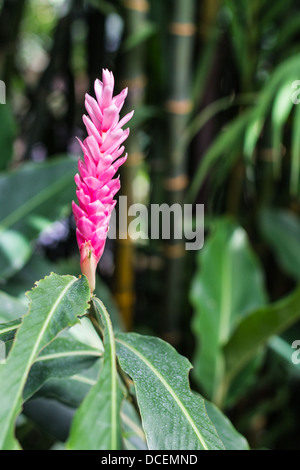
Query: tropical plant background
[[212, 84]]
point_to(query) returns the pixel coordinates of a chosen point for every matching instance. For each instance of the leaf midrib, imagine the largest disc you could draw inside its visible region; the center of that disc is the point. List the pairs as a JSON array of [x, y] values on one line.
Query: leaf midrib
[[10, 328], [169, 389], [225, 315], [49, 357], [113, 369], [33, 202], [251, 350], [49, 317], [130, 423]]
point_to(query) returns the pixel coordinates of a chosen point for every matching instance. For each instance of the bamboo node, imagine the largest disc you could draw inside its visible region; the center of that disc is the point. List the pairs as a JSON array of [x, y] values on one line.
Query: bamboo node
[[174, 251], [180, 107], [135, 83], [268, 154], [137, 5], [123, 238], [182, 29], [176, 183], [155, 263], [126, 299], [134, 159]]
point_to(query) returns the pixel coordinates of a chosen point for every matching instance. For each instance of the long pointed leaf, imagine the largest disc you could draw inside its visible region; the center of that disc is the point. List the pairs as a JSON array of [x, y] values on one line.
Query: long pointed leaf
[[33, 190], [281, 230], [173, 417], [257, 328], [11, 308], [231, 439], [9, 329], [216, 151], [63, 357], [295, 157], [55, 303], [228, 284]]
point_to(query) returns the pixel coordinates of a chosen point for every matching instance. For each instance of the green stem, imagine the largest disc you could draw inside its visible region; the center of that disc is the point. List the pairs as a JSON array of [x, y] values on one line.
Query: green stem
[[96, 321]]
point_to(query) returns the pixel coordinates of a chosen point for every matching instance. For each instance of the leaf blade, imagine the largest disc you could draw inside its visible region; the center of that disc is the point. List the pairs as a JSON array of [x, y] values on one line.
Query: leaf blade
[[45, 183], [175, 425], [257, 328], [56, 302], [227, 285]]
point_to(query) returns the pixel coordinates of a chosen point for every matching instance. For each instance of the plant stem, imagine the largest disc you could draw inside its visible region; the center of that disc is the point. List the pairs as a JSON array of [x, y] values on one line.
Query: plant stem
[[181, 30]]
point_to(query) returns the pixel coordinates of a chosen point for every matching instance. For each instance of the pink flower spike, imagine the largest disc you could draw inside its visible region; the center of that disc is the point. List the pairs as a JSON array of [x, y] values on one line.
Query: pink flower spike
[[96, 187]]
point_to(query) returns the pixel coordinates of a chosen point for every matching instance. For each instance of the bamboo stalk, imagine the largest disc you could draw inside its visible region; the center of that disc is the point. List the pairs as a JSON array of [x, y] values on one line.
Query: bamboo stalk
[[181, 31], [132, 76], [154, 261]]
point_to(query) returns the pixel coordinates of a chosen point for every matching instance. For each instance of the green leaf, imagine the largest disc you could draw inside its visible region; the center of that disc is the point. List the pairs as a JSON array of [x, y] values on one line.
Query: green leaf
[[55, 303], [257, 328], [281, 109], [8, 330], [226, 140], [64, 357], [245, 380], [252, 134], [147, 30], [278, 81], [208, 113], [285, 351], [35, 189], [133, 434], [288, 29], [203, 63], [295, 156], [7, 135], [71, 390], [15, 251], [275, 11], [50, 417], [97, 423], [143, 114], [228, 284], [11, 307], [173, 417], [36, 268], [281, 229], [230, 437], [71, 266]]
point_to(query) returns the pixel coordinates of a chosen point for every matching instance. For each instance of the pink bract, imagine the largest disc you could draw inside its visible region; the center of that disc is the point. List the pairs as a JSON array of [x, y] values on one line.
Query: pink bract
[[96, 186]]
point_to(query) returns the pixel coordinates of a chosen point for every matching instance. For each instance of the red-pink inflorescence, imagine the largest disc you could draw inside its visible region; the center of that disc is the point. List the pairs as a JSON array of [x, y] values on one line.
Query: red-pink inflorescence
[[96, 186]]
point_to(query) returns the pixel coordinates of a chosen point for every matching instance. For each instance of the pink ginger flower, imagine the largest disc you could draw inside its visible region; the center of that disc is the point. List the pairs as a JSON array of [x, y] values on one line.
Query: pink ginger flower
[[96, 186]]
